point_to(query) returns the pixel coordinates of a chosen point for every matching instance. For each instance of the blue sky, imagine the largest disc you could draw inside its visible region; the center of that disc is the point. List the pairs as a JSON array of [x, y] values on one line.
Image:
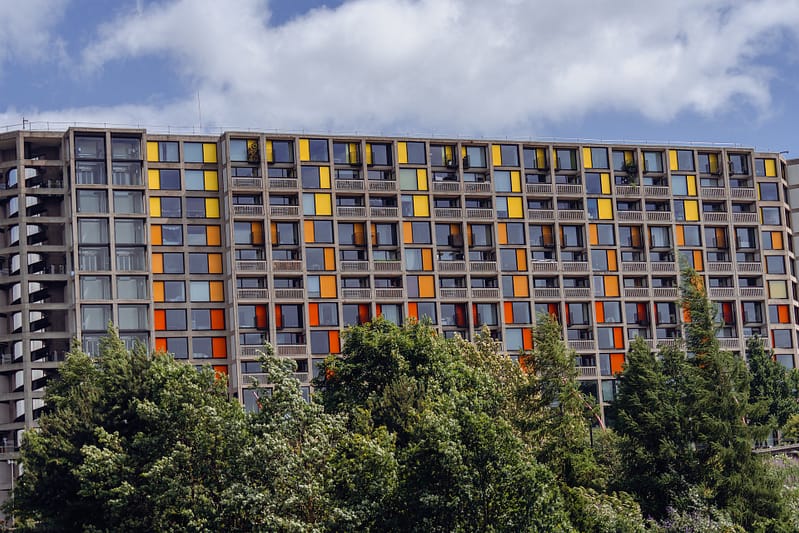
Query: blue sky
[[683, 70]]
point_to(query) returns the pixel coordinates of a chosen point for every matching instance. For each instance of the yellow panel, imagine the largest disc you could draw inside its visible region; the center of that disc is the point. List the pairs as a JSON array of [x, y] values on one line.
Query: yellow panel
[[252, 148], [402, 152], [673, 160], [449, 153], [612, 265], [217, 291], [309, 233], [777, 289], [270, 152], [353, 153], [593, 234], [158, 291], [611, 285], [628, 157], [153, 179], [214, 263], [211, 178], [515, 209], [305, 150], [152, 151], [211, 208], [540, 157], [521, 259], [427, 288], [502, 233], [209, 152], [680, 236], [605, 180], [155, 206], [771, 167], [421, 206], [463, 151], [155, 235], [421, 179], [515, 181], [213, 236], [713, 159], [587, 159], [691, 182], [323, 203], [496, 154], [158, 263], [330, 259], [427, 259], [691, 208], [521, 289], [368, 153], [605, 208], [327, 286], [324, 177]]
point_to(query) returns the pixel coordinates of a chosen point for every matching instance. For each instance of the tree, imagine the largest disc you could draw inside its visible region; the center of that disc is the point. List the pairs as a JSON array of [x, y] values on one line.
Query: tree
[[129, 441], [771, 400]]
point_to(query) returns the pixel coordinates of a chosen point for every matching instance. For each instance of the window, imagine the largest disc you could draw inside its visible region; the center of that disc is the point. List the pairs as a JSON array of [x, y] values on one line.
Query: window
[[481, 234], [203, 235], [206, 291], [766, 167], [608, 312], [314, 177], [314, 150], [603, 234], [653, 162], [505, 155], [378, 154], [571, 236], [288, 316], [202, 207], [511, 233], [566, 159], [683, 185], [129, 202], [93, 231], [202, 180], [131, 258], [133, 317], [659, 237], [131, 287], [165, 207], [770, 215], [319, 231], [782, 338], [252, 316], [595, 157], [200, 263], [88, 173], [317, 204], [95, 287], [129, 231], [691, 235], [739, 164], [94, 258], [775, 264], [170, 319], [199, 152], [89, 147], [169, 291], [205, 319], [769, 191], [95, 317], [92, 201], [681, 159], [412, 153], [164, 151], [485, 314], [177, 346]]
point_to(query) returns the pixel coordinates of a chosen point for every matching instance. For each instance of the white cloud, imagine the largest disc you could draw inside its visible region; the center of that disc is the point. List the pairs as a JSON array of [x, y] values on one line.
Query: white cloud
[[447, 66], [26, 30]]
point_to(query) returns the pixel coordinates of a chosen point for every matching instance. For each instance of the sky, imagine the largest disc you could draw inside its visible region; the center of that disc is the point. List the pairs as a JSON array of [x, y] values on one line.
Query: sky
[[614, 70]]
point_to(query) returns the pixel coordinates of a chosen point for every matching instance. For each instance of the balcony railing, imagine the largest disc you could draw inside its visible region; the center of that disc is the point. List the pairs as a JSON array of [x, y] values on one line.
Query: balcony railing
[[628, 190], [721, 292], [456, 293], [540, 214], [448, 212], [586, 371], [665, 292], [571, 214], [384, 212], [260, 267], [745, 218], [574, 266], [382, 185], [713, 192], [282, 183], [743, 193], [582, 345], [389, 293], [253, 294], [248, 210], [576, 292], [567, 188], [656, 191], [388, 266], [349, 185], [446, 186], [664, 267], [750, 268], [752, 292], [546, 292], [292, 349], [719, 266], [287, 266], [477, 186], [289, 294], [539, 188], [483, 266], [659, 216], [284, 211], [636, 292], [357, 293], [354, 266], [351, 211], [248, 183], [638, 267], [630, 216], [730, 343], [452, 266], [484, 214], [710, 216], [544, 266], [491, 293]]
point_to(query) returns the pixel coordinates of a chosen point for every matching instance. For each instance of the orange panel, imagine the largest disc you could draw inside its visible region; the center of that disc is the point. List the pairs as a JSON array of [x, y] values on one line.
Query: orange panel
[[527, 339], [330, 258], [508, 312], [278, 317], [260, 316], [680, 236], [273, 232], [327, 286], [427, 259], [160, 320], [158, 291], [213, 234], [616, 362], [158, 263], [783, 314], [413, 310], [257, 230], [155, 235], [217, 319], [363, 313], [612, 265], [521, 289], [776, 240], [618, 337], [427, 287], [219, 347], [611, 285], [502, 233], [160, 344], [217, 291], [593, 234], [686, 314], [335, 344], [521, 259], [698, 265], [309, 233], [599, 311], [313, 312], [221, 370], [214, 263], [407, 233]]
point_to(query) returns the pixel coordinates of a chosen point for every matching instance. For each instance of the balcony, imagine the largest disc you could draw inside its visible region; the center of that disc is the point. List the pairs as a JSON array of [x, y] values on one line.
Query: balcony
[[292, 349], [546, 292], [453, 293], [482, 214], [388, 266], [483, 266], [540, 214], [716, 266], [576, 292], [287, 266], [628, 190], [349, 185], [477, 186], [248, 210], [582, 346], [665, 292], [254, 267], [586, 371], [636, 292], [543, 265], [664, 267], [448, 212], [357, 293], [384, 212], [659, 216], [253, 294], [354, 266], [389, 293], [569, 189], [351, 211], [743, 193], [382, 185], [730, 343], [574, 266], [658, 192], [539, 188], [283, 184], [630, 216], [251, 350], [750, 268], [248, 183], [571, 214], [284, 211], [745, 218], [289, 294], [752, 292], [489, 293], [446, 186], [451, 266], [710, 216], [636, 267], [713, 192]]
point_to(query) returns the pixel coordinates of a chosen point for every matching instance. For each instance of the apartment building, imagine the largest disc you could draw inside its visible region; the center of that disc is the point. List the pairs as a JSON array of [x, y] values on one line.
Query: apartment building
[[208, 246]]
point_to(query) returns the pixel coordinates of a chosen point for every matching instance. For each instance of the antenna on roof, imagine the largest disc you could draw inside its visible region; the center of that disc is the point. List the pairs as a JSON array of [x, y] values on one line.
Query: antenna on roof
[[199, 110]]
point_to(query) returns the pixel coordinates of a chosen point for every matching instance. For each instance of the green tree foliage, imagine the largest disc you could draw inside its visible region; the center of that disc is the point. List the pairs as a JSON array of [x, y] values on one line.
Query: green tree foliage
[[682, 418], [771, 400]]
